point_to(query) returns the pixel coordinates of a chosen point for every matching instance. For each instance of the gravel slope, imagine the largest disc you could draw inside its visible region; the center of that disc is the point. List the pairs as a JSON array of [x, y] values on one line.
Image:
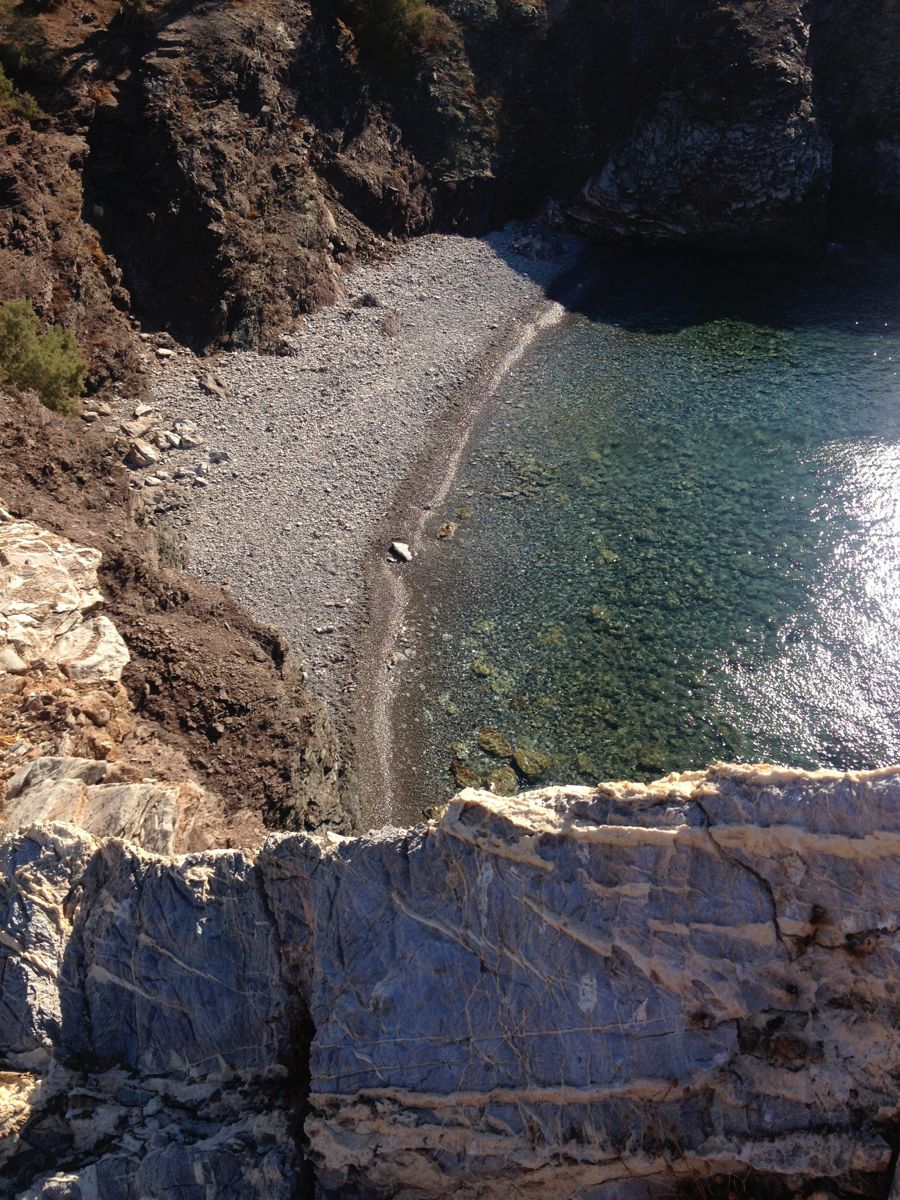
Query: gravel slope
[[319, 442]]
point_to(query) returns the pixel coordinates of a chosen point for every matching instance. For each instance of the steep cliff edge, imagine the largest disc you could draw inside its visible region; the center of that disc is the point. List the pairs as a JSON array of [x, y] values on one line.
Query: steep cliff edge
[[214, 167], [209, 692], [684, 988]]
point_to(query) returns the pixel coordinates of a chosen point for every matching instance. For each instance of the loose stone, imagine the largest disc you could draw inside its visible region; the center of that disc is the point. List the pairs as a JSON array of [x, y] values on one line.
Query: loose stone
[[401, 551], [142, 454]]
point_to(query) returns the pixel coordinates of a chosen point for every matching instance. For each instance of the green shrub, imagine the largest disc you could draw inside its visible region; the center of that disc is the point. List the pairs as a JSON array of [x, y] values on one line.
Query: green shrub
[[25, 53], [46, 361], [20, 103], [395, 30]]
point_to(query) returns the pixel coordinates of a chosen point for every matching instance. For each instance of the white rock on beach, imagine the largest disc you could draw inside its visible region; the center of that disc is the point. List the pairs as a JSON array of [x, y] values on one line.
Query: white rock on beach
[[402, 551]]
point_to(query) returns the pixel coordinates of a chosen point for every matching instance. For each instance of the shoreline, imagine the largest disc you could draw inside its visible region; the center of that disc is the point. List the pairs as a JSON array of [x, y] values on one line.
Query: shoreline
[[328, 453], [389, 587]]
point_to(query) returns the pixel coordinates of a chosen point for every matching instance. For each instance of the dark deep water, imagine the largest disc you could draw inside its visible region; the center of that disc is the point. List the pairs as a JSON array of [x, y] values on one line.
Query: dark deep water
[[678, 537]]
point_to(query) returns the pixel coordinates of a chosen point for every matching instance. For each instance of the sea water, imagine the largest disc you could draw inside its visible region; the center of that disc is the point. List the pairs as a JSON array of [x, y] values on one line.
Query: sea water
[[674, 539]]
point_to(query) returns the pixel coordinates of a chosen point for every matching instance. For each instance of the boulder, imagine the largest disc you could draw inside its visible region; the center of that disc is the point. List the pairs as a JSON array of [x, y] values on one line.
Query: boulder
[[142, 453]]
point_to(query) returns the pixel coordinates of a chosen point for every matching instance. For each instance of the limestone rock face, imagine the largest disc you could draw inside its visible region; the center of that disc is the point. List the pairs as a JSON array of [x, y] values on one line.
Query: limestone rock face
[[612, 992], [145, 1024], [48, 594], [576, 990]]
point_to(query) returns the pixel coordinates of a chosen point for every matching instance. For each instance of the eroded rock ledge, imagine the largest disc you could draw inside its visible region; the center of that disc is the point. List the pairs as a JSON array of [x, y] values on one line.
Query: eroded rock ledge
[[574, 992]]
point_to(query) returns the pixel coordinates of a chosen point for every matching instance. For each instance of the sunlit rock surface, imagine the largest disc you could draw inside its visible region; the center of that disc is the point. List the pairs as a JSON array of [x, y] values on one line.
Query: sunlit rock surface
[[571, 992], [48, 602], [68, 727]]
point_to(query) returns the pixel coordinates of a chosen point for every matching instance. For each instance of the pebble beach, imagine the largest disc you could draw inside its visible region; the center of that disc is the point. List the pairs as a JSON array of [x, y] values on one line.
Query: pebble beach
[[297, 458]]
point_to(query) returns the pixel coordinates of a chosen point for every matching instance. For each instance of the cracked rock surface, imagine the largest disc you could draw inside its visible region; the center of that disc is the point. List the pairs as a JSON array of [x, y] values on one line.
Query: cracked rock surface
[[610, 992], [68, 723]]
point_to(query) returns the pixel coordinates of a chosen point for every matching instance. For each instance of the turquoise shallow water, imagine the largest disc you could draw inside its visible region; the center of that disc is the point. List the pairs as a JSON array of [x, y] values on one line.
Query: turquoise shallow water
[[677, 537]]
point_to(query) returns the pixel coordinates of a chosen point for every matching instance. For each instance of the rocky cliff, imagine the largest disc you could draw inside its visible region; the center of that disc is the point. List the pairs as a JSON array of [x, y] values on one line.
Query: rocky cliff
[[214, 167], [681, 988], [685, 988], [206, 692]]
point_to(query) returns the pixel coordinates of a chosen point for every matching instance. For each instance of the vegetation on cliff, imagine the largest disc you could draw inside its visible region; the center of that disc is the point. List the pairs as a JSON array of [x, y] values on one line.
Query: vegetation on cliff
[[394, 30], [45, 361], [14, 101]]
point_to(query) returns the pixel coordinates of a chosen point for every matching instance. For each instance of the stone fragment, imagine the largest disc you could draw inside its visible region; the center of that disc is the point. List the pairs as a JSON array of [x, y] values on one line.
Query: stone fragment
[[401, 551], [142, 454], [12, 662], [164, 352], [137, 428], [214, 385]]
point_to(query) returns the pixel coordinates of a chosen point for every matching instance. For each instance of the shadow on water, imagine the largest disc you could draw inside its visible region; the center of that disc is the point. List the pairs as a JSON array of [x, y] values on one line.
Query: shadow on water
[[677, 535], [664, 291]]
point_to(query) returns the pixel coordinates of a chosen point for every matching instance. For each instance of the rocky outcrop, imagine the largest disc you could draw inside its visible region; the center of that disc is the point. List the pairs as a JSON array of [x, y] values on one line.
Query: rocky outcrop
[[733, 156], [852, 50], [626, 991], [145, 1025], [57, 650], [208, 694], [226, 163]]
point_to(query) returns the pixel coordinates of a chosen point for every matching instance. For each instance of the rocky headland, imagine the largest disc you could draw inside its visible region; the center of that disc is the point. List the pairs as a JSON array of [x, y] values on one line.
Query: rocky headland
[[214, 168]]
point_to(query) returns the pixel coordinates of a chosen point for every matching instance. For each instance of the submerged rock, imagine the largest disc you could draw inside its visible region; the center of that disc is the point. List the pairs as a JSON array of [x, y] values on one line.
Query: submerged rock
[[463, 775], [531, 763], [503, 781], [492, 741]]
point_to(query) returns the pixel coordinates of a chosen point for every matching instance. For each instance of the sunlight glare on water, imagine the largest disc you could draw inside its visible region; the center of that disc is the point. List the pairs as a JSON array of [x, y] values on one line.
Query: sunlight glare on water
[[677, 539]]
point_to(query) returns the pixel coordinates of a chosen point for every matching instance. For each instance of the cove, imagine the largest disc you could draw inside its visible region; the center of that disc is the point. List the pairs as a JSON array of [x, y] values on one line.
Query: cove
[[674, 538]]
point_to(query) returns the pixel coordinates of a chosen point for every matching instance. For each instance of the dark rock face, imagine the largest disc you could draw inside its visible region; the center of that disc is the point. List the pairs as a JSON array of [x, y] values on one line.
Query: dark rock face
[[732, 155], [228, 161], [853, 53], [619, 993]]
